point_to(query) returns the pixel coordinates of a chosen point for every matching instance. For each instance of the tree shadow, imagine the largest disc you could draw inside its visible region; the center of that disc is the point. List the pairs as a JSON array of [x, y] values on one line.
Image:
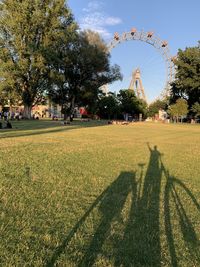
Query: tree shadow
[[139, 243], [29, 128]]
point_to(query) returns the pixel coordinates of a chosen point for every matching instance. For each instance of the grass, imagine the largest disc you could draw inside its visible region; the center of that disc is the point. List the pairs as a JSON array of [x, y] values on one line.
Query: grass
[[90, 194]]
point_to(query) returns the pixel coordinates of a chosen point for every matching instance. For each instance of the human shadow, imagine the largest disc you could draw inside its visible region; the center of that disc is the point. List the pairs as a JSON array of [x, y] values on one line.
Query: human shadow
[[139, 242], [110, 208]]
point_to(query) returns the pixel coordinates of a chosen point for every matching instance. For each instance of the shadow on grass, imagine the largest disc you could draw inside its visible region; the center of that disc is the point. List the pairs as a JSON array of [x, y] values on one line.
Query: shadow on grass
[[34, 127], [172, 188], [139, 244], [110, 203]]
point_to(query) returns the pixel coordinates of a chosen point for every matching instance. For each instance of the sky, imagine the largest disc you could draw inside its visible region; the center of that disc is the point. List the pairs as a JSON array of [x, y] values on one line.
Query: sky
[[176, 21]]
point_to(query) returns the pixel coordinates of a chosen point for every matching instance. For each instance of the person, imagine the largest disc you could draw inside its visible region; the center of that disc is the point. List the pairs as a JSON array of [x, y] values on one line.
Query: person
[[12, 115], [5, 115], [20, 115], [17, 115], [8, 125], [43, 114], [71, 117], [36, 115]]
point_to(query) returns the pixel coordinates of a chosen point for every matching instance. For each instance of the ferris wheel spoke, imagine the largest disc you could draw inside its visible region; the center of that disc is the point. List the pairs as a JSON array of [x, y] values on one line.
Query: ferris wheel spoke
[[150, 38]]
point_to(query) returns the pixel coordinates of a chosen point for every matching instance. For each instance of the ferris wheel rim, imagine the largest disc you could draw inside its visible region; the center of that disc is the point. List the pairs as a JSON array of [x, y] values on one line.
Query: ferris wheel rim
[[152, 39]]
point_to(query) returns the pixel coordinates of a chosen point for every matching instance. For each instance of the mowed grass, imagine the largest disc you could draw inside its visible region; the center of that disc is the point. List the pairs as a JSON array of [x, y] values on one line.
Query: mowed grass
[[91, 194]]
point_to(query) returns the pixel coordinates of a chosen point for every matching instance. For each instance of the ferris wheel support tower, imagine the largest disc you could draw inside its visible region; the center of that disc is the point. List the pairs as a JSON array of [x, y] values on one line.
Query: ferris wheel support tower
[[136, 85]]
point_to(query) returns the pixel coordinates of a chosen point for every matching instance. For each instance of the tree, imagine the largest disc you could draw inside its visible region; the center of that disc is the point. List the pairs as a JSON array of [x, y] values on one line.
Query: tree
[[157, 105], [83, 68], [130, 104], [179, 109], [108, 107], [127, 99], [58, 93], [187, 82], [29, 32], [142, 108], [196, 109]]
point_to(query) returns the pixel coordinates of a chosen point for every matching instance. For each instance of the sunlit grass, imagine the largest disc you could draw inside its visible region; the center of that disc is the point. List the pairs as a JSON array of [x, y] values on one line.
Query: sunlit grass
[[95, 194]]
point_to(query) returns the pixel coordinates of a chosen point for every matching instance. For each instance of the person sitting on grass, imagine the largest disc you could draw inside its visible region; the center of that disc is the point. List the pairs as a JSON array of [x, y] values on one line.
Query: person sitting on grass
[[8, 125]]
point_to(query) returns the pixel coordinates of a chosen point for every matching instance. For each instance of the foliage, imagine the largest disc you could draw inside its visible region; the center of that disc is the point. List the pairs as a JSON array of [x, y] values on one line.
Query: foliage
[[187, 83], [83, 68], [159, 104], [127, 99], [108, 107], [130, 104], [29, 32], [9, 97], [179, 109], [142, 108], [196, 109]]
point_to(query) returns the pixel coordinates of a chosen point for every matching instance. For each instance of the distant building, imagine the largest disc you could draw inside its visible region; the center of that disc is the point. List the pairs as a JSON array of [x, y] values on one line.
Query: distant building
[[162, 115]]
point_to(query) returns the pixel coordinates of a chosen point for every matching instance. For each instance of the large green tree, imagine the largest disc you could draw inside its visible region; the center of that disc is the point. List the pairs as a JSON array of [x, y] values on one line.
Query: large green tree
[[131, 104], [108, 106], [196, 109], [29, 32], [81, 70], [179, 109], [187, 82]]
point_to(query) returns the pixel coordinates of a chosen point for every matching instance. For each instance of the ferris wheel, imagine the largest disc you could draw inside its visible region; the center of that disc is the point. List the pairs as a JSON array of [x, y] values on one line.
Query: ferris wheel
[[150, 38]]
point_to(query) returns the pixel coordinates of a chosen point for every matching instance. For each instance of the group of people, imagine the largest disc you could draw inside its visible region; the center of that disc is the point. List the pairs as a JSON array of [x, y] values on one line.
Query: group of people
[[5, 116], [10, 115]]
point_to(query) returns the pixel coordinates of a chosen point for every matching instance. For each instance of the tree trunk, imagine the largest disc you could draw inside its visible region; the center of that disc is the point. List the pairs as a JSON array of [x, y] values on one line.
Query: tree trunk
[[64, 112], [27, 111], [65, 116], [73, 104], [72, 108]]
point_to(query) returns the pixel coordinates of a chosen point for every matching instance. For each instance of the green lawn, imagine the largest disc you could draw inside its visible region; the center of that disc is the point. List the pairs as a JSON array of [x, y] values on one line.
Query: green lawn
[[91, 194]]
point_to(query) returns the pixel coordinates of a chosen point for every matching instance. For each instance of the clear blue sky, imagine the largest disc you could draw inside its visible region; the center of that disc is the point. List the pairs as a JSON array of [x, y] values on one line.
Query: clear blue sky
[[177, 21]]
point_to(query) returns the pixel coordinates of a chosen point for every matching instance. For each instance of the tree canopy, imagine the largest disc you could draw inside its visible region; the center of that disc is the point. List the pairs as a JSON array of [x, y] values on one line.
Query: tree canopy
[[154, 107], [108, 107], [130, 104], [179, 109], [82, 70], [187, 82], [29, 31], [196, 109]]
